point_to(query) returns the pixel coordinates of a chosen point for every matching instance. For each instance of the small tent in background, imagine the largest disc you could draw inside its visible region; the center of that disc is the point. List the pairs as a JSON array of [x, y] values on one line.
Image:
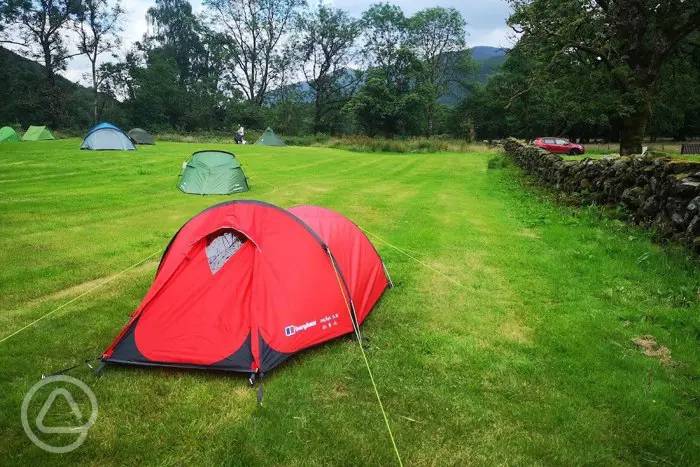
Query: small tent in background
[[8, 135], [105, 136], [269, 138], [140, 136], [213, 173], [37, 133]]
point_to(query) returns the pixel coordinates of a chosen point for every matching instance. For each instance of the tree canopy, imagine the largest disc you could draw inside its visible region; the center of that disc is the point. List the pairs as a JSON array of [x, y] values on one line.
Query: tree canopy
[[620, 70], [630, 40]]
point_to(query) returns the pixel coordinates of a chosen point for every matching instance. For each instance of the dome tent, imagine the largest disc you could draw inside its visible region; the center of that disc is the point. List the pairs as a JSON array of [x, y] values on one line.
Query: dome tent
[[244, 285], [213, 173], [37, 133], [8, 135], [269, 138], [140, 136], [106, 136]]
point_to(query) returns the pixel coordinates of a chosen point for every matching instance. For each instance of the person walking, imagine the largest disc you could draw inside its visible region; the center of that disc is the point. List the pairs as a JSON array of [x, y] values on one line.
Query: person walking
[[240, 134]]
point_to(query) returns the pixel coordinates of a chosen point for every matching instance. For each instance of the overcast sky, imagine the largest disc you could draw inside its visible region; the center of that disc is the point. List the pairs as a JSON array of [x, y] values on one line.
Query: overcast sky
[[485, 21]]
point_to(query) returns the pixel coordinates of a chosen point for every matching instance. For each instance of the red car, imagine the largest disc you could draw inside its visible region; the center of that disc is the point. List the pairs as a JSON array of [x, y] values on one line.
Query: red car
[[559, 146]]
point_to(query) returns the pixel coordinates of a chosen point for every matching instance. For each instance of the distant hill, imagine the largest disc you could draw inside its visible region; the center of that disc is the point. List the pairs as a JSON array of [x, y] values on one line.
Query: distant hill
[[487, 60], [481, 53], [24, 84]]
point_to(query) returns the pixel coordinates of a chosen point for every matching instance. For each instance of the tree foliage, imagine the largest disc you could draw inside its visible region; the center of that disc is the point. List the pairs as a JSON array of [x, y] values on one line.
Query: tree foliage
[[326, 46], [255, 29], [630, 40], [436, 35], [393, 100], [41, 27], [98, 30], [530, 98]]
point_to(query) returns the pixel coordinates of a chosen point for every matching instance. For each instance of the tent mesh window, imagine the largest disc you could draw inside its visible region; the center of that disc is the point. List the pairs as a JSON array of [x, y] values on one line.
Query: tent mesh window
[[222, 247]]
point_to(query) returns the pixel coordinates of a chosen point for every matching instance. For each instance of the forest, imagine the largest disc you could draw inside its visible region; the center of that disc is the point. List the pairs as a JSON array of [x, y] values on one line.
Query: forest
[[617, 70]]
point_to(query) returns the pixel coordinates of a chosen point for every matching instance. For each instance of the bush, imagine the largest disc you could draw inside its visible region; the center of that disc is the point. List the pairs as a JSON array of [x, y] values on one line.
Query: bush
[[307, 140], [207, 137], [402, 145]]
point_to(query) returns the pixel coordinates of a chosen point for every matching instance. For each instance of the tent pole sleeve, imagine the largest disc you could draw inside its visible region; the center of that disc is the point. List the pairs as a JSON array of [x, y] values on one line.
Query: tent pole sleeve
[[345, 290]]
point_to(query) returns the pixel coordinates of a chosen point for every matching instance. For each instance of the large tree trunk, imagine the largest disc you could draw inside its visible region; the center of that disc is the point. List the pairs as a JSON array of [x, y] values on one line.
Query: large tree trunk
[[320, 87], [318, 113], [431, 119], [95, 93], [52, 95], [633, 129], [48, 65]]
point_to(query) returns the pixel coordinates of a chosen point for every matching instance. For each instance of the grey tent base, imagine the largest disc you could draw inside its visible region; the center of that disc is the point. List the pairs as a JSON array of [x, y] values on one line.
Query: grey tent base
[[140, 136], [242, 189]]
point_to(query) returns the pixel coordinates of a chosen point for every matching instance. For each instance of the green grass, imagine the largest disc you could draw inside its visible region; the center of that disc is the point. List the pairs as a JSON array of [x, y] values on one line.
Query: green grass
[[528, 360], [671, 149]]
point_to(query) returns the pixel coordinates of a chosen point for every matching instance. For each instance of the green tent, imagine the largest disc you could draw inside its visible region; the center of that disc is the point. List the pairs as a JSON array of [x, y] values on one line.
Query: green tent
[[8, 135], [37, 133], [212, 173], [269, 138]]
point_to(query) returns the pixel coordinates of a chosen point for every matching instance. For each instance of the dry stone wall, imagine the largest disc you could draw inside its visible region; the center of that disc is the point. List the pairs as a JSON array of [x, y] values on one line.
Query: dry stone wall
[[657, 192]]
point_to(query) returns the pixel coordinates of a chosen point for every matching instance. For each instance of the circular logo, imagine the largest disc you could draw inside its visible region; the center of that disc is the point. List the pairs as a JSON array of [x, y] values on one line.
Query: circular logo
[[64, 385]]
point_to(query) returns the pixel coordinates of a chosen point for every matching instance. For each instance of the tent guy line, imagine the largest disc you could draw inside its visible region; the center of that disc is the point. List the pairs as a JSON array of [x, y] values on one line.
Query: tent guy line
[[356, 329], [101, 284], [405, 253]]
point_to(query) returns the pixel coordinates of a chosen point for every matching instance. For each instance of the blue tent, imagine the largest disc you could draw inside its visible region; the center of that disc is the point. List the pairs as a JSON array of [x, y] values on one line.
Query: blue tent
[[106, 136], [104, 125]]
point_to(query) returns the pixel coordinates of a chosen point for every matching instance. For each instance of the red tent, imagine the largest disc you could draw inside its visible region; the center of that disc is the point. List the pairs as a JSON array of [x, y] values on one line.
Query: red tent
[[245, 284]]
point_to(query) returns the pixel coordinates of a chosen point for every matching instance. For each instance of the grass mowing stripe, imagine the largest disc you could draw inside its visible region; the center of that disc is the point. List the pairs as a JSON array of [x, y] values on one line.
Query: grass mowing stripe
[[356, 329], [92, 289], [403, 252]]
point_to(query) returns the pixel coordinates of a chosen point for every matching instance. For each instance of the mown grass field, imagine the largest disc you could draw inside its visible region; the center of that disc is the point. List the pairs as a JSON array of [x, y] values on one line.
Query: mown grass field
[[523, 356]]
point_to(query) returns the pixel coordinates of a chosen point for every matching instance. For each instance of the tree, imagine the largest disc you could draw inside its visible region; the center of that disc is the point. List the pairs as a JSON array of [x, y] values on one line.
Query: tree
[[178, 32], [529, 98], [191, 61], [385, 28], [394, 81], [326, 48], [393, 106], [676, 111], [436, 35], [98, 28], [8, 14], [630, 39], [117, 80], [42, 25], [255, 29], [159, 100]]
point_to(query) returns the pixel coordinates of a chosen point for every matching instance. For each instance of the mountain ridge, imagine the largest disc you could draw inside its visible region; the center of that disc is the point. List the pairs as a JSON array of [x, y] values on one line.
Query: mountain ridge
[[486, 58]]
